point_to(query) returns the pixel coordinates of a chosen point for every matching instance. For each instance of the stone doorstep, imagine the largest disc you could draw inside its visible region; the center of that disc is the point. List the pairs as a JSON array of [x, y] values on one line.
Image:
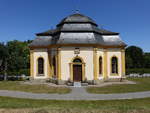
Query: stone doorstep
[[72, 84], [77, 84]]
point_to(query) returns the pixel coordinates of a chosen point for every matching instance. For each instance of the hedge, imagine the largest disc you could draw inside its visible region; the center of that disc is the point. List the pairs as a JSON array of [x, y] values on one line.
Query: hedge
[[22, 71]]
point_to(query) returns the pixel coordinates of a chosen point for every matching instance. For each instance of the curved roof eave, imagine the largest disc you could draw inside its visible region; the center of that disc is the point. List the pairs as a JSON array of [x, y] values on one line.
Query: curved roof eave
[[80, 45], [57, 31]]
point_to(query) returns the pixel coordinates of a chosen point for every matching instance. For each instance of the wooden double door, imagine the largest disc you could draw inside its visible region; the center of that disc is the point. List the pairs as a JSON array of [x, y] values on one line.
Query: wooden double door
[[77, 72]]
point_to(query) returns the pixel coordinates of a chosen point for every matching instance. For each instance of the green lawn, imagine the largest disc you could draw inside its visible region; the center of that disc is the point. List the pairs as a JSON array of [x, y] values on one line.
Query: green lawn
[[113, 106], [16, 86], [143, 84]]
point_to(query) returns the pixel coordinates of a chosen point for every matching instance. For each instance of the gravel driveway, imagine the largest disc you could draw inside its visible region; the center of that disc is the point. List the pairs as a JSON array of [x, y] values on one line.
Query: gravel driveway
[[76, 94]]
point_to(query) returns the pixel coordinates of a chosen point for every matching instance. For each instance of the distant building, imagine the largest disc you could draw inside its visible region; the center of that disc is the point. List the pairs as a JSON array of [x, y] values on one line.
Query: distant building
[[77, 50]]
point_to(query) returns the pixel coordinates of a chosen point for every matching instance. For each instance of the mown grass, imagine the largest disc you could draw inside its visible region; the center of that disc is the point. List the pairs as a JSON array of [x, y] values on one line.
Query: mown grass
[[16, 86], [69, 111], [117, 106], [143, 84]]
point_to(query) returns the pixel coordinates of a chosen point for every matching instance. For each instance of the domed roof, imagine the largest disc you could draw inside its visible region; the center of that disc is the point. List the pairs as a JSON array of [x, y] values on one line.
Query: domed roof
[[77, 29], [76, 23], [77, 18]]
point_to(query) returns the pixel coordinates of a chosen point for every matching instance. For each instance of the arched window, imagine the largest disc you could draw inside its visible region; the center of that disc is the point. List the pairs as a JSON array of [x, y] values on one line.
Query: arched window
[[40, 66], [77, 60], [100, 65], [114, 63]]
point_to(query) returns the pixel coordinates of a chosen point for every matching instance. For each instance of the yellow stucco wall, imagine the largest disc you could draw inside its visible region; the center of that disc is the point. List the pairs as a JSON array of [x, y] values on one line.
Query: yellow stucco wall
[[40, 53], [66, 54], [114, 53]]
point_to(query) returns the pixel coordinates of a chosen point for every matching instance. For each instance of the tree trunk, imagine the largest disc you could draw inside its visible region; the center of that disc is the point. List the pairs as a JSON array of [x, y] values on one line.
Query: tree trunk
[[5, 74]]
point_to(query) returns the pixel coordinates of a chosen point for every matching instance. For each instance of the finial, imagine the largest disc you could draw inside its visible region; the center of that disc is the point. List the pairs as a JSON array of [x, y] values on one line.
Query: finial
[[77, 11], [77, 6]]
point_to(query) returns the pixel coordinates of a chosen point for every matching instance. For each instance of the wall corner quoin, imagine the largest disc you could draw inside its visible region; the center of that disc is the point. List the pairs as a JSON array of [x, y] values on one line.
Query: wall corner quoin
[[59, 63], [105, 73], [31, 63], [123, 62], [95, 63], [49, 68]]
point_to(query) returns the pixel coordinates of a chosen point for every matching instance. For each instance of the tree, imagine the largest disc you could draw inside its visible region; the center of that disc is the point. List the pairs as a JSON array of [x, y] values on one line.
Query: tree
[[3, 58], [3, 55], [18, 56], [147, 60], [129, 62], [3, 51], [134, 57]]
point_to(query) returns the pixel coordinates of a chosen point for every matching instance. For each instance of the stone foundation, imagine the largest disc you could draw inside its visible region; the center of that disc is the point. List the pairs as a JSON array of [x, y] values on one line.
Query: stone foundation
[[85, 83], [96, 82], [61, 82], [116, 79]]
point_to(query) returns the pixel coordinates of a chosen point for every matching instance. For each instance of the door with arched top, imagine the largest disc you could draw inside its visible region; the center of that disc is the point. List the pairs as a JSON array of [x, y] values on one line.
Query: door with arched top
[[77, 70]]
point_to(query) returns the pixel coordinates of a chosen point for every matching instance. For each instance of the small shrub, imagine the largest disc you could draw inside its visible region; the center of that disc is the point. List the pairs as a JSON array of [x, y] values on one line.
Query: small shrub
[[25, 71]]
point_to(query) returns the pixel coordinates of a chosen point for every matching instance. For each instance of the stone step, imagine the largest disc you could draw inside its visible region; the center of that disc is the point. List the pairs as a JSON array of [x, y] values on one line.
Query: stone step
[[77, 84]]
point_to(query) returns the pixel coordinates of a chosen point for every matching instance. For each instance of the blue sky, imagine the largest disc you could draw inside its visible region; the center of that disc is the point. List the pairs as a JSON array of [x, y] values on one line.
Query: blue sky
[[21, 19]]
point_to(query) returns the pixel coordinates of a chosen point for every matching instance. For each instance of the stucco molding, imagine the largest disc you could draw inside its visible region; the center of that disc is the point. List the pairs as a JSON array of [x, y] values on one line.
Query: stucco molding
[[71, 67]]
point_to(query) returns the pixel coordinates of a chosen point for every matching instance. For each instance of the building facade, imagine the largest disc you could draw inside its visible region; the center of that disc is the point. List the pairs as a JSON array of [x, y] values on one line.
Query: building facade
[[77, 50]]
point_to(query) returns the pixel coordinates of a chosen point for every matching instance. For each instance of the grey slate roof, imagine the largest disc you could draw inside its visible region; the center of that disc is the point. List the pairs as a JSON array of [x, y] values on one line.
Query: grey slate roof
[[77, 18], [77, 29], [42, 41]]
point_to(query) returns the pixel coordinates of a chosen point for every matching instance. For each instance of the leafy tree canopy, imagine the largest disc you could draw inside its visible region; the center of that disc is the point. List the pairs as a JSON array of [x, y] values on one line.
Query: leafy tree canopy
[[3, 51], [18, 55], [135, 57], [147, 60]]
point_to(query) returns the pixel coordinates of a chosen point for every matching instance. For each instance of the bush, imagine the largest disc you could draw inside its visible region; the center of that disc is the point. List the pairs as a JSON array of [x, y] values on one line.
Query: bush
[[13, 73], [16, 73], [2, 73], [25, 71]]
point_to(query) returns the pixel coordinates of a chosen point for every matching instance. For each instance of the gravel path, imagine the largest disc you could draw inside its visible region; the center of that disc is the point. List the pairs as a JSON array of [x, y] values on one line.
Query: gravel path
[[76, 94]]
